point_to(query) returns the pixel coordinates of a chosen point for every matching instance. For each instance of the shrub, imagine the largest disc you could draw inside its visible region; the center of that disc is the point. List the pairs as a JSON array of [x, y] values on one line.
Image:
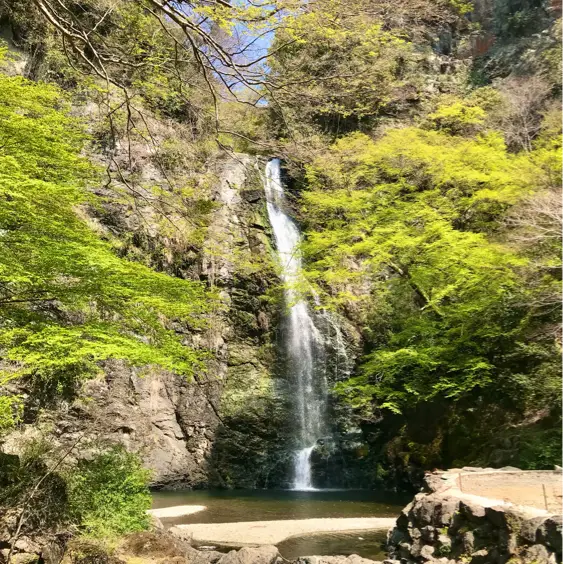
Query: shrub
[[108, 495]]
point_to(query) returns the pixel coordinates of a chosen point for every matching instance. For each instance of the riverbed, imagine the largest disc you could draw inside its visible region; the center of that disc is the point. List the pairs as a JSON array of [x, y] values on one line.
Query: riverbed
[[269, 505]]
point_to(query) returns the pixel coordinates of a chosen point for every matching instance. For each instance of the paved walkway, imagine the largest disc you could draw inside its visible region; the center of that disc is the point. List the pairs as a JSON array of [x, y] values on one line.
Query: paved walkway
[[273, 532], [531, 488]]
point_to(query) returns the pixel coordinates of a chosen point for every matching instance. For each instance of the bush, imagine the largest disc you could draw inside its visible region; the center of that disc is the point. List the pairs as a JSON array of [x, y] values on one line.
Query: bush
[[108, 495]]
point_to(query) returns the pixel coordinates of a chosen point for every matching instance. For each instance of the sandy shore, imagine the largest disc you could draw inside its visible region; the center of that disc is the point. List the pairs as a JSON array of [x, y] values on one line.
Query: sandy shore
[[273, 532], [176, 511]]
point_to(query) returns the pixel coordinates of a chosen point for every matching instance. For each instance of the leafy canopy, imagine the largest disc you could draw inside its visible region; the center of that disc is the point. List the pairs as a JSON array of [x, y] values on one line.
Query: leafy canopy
[[414, 216], [67, 301]]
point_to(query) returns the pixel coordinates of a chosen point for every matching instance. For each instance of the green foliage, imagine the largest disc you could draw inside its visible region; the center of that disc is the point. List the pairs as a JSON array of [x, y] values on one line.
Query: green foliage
[[67, 300], [454, 313], [108, 495], [458, 117], [344, 57], [103, 496], [11, 411]]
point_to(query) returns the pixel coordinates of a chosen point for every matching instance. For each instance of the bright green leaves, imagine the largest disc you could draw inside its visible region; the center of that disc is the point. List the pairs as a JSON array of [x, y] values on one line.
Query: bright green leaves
[[458, 117], [38, 134], [413, 217], [336, 69], [108, 496], [67, 300]]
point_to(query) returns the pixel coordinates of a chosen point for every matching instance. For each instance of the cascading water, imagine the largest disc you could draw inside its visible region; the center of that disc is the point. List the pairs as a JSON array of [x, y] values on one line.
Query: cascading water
[[305, 347]]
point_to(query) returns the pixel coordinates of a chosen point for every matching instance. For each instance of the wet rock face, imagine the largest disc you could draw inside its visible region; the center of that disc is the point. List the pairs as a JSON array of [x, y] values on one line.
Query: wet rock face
[[175, 424], [446, 525]]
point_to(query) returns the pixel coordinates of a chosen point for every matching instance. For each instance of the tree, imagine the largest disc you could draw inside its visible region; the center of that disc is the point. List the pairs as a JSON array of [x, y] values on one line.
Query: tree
[[67, 300], [454, 317]]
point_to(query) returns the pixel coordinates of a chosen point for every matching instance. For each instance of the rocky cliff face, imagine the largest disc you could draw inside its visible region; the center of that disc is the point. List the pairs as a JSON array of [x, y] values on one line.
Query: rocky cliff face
[[174, 423]]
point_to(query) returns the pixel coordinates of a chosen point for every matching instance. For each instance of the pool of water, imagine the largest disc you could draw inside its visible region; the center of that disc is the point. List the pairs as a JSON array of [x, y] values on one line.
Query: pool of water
[[233, 506], [364, 543]]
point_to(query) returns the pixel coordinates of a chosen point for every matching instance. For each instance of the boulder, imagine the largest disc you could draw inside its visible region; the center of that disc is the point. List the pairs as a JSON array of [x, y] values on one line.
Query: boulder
[[353, 559], [529, 529], [428, 533], [448, 509], [25, 544], [53, 552], [427, 552], [468, 542], [538, 554], [181, 533], [424, 510], [481, 557], [156, 544], [473, 511], [550, 533], [248, 555], [21, 557], [444, 544]]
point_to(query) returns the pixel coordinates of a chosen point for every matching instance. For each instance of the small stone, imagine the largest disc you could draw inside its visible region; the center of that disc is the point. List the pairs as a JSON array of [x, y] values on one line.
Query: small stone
[[468, 542], [181, 534], [415, 533], [25, 544], [444, 543], [23, 558], [416, 548], [480, 557], [156, 523], [428, 533], [537, 554], [52, 552], [426, 552], [404, 550], [247, 555], [252, 196]]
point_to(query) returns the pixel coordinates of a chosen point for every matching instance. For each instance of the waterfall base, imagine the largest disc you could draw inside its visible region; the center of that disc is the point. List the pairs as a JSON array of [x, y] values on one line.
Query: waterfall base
[[303, 480]]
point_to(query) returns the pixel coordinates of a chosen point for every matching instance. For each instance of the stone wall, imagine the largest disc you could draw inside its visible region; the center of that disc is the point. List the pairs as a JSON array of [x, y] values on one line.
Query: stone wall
[[452, 526]]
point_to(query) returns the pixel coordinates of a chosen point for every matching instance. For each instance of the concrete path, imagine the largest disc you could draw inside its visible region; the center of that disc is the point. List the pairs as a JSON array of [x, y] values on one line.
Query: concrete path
[[176, 511], [531, 488], [273, 532]]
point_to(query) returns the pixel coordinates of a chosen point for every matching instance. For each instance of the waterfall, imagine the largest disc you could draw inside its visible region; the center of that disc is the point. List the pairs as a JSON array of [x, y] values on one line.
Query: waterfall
[[303, 342]]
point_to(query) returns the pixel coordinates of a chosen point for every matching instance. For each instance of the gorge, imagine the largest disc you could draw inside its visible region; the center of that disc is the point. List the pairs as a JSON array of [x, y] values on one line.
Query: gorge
[[284, 260]]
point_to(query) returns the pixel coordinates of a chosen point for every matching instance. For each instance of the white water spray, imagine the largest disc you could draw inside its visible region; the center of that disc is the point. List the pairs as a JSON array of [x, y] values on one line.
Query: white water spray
[[305, 348]]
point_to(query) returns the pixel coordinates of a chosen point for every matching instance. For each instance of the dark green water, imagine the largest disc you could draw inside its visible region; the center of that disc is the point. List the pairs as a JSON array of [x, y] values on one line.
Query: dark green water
[[267, 505], [365, 543]]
